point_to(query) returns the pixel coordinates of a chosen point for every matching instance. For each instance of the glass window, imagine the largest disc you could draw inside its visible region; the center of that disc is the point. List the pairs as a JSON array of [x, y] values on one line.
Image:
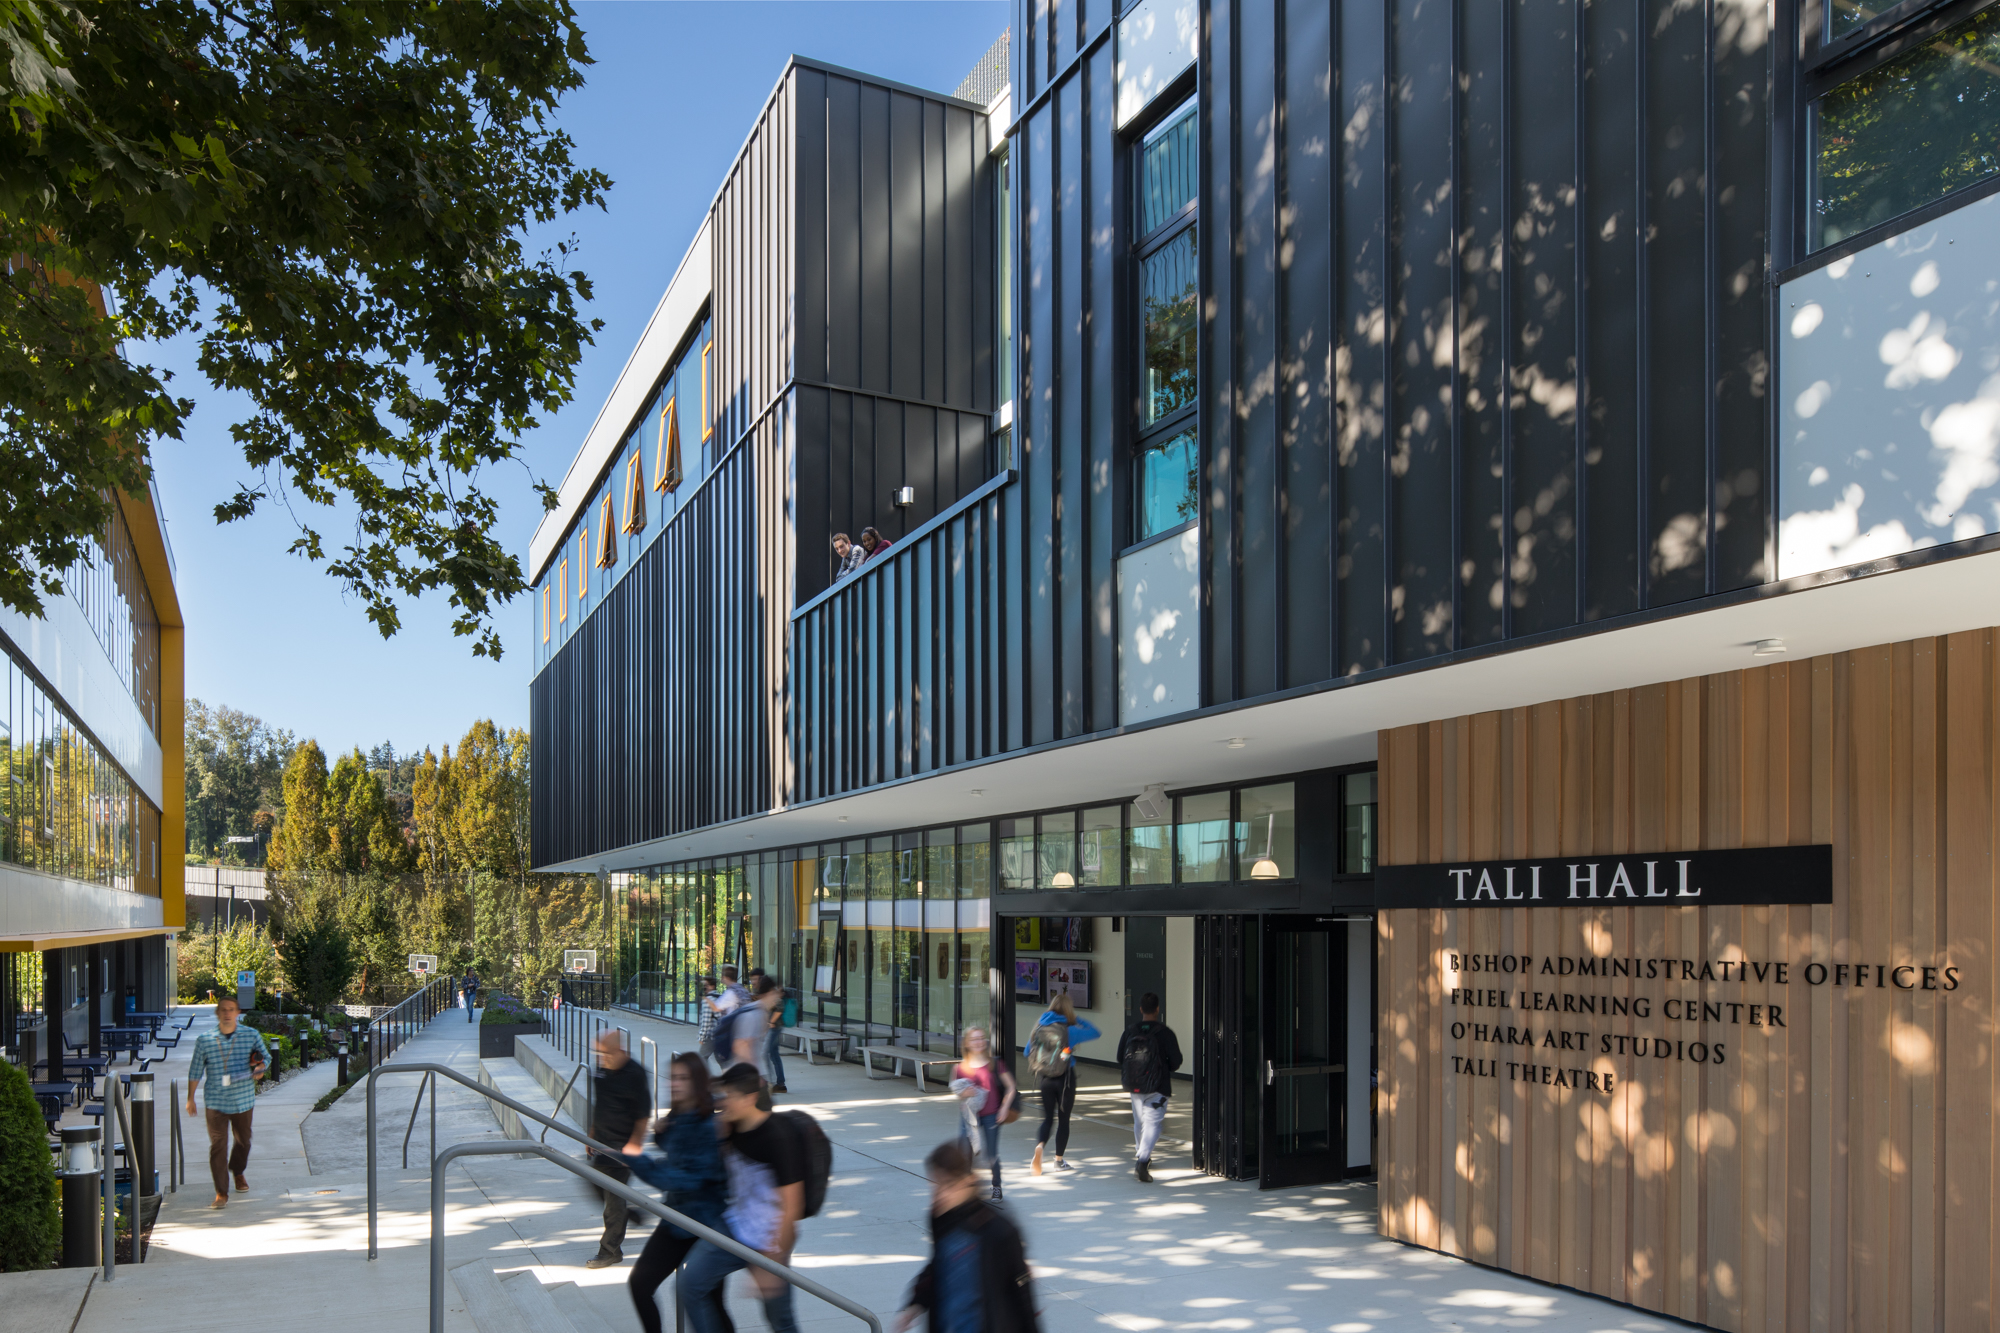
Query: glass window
[[1017, 855], [1169, 161], [1357, 838], [1167, 282], [1264, 823], [1097, 861], [939, 966], [1166, 491], [1058, 851], [1203, 838], [1907, 131], [1149, 846], [1003, 296], [975, 950], [1166, 460]]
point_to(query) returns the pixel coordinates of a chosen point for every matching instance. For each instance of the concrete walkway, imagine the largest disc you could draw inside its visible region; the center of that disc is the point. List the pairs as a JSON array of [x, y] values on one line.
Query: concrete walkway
[[1189, 1253]]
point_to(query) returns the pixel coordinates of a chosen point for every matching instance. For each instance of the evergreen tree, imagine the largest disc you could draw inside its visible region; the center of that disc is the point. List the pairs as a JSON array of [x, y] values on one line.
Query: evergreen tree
[[30, 1222], [303, 843]]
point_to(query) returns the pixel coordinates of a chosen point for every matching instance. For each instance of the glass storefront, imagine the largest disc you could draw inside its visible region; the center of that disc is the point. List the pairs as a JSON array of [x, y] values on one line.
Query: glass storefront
[[890, 936]]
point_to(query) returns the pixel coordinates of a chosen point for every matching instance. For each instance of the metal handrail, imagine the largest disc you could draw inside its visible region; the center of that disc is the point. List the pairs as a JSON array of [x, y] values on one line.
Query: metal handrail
[[560, 1101], [416, 1106], [420, 1066], [632, 1197], [174, 1136], [393, 1028]]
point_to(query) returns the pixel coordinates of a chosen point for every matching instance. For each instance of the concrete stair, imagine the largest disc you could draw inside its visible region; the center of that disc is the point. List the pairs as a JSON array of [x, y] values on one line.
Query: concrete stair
[[519, 1303]]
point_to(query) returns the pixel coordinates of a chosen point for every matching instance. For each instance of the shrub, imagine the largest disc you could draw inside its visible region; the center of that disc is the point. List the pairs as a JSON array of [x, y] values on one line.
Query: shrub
[[507, 1009], [30, 1222]]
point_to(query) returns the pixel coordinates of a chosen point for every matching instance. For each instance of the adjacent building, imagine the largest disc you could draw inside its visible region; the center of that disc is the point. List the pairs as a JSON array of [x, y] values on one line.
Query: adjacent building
[[1458, 545], [91, 792]]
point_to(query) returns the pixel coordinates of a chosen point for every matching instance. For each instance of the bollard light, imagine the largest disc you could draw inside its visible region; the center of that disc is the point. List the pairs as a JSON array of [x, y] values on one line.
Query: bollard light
[[83, 1151]]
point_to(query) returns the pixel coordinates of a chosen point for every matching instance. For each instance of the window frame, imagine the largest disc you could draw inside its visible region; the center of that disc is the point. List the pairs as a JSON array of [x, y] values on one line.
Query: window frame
[[1818, 69], [1182, 97]]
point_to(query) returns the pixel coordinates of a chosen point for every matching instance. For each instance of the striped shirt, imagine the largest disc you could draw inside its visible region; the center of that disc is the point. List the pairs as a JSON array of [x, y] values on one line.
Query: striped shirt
[[226, 1063]]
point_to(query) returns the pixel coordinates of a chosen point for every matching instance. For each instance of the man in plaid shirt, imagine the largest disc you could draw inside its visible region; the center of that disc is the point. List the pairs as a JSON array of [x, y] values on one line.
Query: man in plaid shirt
[[232, 1058]]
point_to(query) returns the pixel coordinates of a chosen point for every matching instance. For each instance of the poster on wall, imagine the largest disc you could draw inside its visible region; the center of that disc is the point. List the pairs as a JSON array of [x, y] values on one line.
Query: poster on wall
[[1068, 976], [1070, 934], [1028, 979], [1027, 932]]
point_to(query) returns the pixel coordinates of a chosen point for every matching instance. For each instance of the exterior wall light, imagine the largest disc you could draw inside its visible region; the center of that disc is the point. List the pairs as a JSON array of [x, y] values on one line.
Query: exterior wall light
[[905, 496], [1063, 880]]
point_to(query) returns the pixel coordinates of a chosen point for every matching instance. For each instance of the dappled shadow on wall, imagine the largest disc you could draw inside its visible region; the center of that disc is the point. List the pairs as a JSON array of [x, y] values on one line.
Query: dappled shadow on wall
[[1889, 389]]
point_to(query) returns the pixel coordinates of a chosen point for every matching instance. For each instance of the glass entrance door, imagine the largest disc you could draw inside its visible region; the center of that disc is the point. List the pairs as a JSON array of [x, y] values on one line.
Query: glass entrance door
[[1305, 1051]]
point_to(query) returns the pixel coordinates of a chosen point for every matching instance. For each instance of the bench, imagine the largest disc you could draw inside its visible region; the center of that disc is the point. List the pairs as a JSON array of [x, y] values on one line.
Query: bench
[[918, 1060], [811, 1039]]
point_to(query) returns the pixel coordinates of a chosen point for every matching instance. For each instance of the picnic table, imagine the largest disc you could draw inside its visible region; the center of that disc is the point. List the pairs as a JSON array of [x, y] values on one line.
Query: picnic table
[[55, 1088], [153, 1021], [128, 1040]]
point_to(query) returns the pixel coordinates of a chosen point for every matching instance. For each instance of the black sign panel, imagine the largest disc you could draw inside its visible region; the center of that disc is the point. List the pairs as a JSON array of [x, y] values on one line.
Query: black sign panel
[[1745, 877]]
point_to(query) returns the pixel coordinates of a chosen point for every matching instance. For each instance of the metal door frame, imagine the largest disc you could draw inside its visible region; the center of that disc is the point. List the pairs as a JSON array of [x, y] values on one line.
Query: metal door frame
[[1269, 926]]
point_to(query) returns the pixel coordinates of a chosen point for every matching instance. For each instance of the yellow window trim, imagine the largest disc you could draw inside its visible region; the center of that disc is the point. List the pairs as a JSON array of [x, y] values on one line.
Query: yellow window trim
[[583, 562], [667, 462], [607, 534], [545, 613], [635, 492], [707, 426], [562, 593]]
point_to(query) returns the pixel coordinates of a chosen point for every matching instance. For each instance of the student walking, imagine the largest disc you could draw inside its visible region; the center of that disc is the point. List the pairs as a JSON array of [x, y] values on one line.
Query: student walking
[[1148, 1055], [977, 1280], [1051, 1059], [468, 991], [991, 1098], [687, 1171], [232, 1058], [621, 1103], [767, 1158], [717, 1006]]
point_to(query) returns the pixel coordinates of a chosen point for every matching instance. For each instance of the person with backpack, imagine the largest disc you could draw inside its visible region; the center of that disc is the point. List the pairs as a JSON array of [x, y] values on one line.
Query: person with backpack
[[778, 1164], [977, 1280], [980, 1078], [1148, 1055], [687, 1171], [1051, 1058]]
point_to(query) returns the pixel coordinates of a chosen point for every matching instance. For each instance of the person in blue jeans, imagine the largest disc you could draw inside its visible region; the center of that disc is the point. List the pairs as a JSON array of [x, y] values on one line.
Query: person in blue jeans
[[1051, 1056], [766, 1158], [689, 1174], [773, 1058]]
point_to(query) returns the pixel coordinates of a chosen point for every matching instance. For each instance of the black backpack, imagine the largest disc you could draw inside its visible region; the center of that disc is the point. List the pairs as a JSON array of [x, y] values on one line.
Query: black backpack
[[1140, 1070], [819, 1157]]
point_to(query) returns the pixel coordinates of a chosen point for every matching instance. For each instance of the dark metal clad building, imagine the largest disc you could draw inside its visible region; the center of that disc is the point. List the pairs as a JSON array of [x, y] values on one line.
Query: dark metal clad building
[[1059, 539]]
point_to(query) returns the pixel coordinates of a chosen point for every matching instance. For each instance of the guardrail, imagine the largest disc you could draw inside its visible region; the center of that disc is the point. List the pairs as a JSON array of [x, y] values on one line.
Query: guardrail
[[571, 1029], [407, 1019], [632, 1197]]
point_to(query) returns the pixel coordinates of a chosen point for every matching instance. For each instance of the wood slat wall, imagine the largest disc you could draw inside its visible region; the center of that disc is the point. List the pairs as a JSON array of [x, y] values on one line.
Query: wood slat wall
[[1833, 1174]]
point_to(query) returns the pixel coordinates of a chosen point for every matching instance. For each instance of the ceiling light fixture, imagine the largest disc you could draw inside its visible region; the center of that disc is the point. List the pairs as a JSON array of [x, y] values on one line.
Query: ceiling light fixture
[[1236, 742], [1063, 880], [843, 819], [979, 791], [1768, 648]]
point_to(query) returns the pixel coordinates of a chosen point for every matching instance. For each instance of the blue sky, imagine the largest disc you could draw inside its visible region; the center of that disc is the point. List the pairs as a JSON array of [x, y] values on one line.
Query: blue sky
[[668, 103]]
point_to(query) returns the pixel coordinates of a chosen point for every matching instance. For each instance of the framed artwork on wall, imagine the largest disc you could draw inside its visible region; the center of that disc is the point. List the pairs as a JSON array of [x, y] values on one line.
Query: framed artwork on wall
[[1068, 976], [1028, 932], [1028, 979]]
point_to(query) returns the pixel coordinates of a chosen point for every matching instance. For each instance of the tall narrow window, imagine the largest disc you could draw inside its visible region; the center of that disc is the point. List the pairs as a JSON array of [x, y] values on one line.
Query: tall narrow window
[[583, 562], [607, 534], [545, 613], [667, 462], [1166, 477], [635, 492], [1003, 296], [562, 593]]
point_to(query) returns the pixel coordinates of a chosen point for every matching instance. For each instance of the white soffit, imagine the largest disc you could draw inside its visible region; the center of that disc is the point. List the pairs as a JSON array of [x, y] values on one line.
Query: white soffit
[[1338, 726], [677, 309]]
